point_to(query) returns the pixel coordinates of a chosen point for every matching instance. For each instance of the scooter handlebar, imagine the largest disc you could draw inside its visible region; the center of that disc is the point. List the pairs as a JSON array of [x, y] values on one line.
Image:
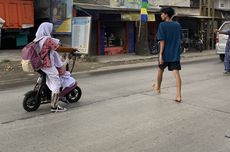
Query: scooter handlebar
[[76, 53]]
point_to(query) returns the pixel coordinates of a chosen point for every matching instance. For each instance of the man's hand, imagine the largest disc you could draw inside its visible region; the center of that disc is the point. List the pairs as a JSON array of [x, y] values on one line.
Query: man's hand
[[161, 59]]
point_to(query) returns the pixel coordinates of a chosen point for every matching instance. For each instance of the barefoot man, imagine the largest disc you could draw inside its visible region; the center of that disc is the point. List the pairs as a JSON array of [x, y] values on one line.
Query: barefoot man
[[169, 34]]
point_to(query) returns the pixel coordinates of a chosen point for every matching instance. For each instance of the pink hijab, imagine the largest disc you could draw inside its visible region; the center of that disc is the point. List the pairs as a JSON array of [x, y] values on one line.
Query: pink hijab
[[44, 31]]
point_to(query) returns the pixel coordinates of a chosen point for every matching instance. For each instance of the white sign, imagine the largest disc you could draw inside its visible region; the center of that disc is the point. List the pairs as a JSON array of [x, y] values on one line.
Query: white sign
[[80, 33]]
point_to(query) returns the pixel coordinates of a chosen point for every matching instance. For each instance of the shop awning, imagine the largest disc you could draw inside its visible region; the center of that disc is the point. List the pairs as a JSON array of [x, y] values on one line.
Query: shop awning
[[127, 14], [96, 7]]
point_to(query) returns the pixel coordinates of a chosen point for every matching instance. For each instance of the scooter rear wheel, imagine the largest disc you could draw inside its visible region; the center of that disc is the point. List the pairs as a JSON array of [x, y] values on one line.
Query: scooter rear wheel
[[31, 102], [74, 95]]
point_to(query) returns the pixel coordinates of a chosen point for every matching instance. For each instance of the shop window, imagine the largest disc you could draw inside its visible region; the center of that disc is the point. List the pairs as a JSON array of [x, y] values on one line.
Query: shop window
[[114, 38]]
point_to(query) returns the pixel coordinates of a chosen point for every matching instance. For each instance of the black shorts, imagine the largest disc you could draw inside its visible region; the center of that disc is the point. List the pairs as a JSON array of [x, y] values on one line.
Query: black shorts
[[171, 65]]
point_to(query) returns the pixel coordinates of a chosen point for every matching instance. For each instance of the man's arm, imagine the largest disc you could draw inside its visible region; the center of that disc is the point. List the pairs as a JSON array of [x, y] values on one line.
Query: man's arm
[[162, 45], [161, 38]]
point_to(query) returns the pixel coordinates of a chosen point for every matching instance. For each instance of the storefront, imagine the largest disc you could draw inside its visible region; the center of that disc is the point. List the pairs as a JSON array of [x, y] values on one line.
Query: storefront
[[114, 35], [114, 30]]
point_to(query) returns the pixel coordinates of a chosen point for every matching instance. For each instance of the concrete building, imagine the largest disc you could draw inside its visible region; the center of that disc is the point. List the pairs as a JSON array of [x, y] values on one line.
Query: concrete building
[[222, 4], [222, 8]]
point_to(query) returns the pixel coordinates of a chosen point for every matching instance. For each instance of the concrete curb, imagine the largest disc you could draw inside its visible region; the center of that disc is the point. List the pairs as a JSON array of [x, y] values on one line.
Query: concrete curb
[[136, 66]]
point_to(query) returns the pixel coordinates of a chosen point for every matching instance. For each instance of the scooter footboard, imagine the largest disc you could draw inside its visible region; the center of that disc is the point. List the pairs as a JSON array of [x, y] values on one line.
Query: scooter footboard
[[67, 90]]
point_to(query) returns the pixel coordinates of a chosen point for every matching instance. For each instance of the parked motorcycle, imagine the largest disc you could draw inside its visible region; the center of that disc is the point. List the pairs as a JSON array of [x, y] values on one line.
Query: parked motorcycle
[[41, 94], [197, 43]]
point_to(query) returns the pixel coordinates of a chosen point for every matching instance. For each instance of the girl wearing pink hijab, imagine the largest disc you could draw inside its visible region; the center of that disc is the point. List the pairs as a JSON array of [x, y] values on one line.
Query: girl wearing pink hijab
[[56, 76]]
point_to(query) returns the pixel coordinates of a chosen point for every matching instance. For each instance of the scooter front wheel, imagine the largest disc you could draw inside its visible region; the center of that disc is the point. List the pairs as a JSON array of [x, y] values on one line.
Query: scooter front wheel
[[31, 102], [74, 95]]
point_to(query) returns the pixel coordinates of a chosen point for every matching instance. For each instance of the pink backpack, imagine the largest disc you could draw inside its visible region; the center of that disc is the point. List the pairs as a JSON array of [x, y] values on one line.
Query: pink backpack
[[31, 61]]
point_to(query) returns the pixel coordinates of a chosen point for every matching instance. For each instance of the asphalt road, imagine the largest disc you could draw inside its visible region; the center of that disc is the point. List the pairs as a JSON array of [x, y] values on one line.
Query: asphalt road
[[118, 112]]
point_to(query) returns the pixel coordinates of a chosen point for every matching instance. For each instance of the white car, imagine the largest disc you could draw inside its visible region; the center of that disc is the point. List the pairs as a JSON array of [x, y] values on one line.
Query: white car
[[221, 40]]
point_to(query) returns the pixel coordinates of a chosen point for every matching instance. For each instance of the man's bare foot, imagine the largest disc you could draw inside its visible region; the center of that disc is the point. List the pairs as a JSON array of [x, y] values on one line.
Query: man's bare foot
[[178, 99], [155, 89]]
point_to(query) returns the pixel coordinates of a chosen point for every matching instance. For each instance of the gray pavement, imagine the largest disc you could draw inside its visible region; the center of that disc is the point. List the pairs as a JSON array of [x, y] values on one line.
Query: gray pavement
[[12, 55], [118, 112]]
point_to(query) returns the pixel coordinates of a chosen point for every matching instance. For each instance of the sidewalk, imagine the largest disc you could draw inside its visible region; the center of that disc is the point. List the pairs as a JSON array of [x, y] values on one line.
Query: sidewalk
[[131, 61], [132, 57], [14, 55], [85, 67]]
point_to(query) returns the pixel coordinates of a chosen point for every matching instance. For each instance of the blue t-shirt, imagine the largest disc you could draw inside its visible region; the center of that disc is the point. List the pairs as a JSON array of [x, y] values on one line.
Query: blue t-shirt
[[170, 32]]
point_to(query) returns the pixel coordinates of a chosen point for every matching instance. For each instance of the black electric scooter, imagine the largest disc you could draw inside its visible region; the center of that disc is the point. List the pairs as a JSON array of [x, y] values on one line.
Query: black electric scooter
[[41, 94]]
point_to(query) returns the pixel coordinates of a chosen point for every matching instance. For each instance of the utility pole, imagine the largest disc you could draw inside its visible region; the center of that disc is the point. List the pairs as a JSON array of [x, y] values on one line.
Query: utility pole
[[207, 8], [213, 23], [203, 7]]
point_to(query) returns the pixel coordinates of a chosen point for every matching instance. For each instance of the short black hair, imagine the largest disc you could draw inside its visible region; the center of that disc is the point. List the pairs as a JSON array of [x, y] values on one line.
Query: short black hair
[[169, 11]]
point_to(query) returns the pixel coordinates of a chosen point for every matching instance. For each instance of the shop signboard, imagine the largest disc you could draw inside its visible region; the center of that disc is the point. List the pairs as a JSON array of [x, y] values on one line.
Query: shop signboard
[[81, 33], [183, 3], [132, 3], [116, 3], [133, 16], [61, 14], [152, 3]]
